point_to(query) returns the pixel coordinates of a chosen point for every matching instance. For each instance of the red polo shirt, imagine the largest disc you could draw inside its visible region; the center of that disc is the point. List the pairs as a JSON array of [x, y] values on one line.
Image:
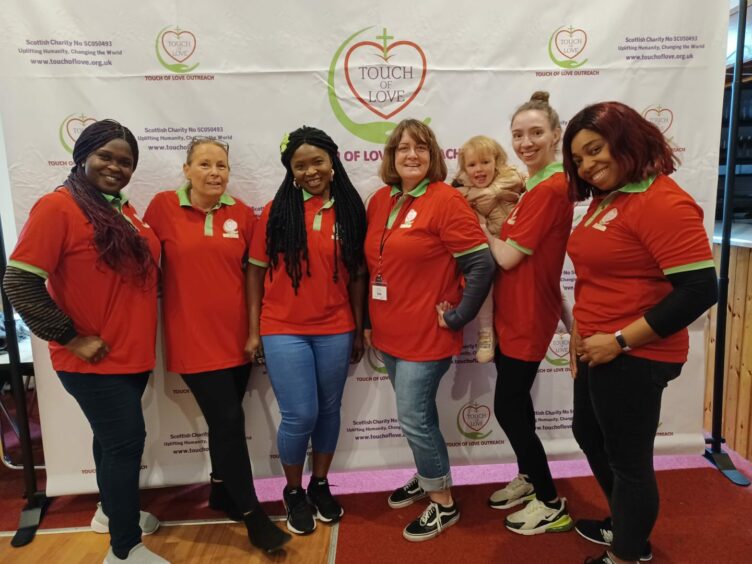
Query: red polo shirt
[[203, 280], [321, 306], [57, 243], [622, 250], [527, 298], [412, 242]]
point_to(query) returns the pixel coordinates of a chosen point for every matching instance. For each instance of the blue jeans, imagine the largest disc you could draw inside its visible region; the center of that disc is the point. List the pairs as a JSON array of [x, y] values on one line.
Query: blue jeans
[[112, 405], [415, 385], [308, 374]]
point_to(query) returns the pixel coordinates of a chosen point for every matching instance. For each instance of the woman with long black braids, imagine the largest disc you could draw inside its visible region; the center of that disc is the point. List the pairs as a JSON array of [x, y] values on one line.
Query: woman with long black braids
[[99, 314], [306, 297]]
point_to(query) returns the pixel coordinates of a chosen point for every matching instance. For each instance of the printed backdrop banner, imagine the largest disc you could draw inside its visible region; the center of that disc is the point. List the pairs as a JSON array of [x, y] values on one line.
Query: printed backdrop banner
[[247, 72]]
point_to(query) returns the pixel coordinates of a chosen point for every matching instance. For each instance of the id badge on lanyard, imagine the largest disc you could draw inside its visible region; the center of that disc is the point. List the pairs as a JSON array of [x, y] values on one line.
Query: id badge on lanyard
[[378, 289]]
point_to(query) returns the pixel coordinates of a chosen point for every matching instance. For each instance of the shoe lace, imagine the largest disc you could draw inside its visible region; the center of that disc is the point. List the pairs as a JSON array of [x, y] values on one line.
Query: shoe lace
[[428, 514], [608, 535], [517, 482], [485, 339], [411, 485]]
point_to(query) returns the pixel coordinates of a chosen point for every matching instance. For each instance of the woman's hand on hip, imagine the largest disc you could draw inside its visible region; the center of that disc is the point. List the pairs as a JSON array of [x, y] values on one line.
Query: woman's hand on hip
[[599, 348], [90, 348]]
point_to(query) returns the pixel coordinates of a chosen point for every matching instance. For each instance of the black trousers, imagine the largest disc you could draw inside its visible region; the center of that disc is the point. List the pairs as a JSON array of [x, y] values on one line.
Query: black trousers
[[617, 407], [514, 411], [219, 394]]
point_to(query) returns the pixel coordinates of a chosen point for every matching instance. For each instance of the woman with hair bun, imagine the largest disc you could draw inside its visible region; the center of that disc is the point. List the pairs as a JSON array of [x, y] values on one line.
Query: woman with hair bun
[[99, 313], [530, 251], [306, 298], [644, 271]]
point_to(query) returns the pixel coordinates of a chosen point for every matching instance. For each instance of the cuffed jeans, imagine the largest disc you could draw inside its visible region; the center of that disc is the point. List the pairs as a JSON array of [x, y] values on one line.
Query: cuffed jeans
[[308, 374], [617, 407], [112, 405], [219, 394], [415, 386]]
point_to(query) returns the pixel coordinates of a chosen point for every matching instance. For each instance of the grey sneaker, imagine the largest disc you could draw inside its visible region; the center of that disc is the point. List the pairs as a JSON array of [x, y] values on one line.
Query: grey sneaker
[[100, 523], [516, 492]]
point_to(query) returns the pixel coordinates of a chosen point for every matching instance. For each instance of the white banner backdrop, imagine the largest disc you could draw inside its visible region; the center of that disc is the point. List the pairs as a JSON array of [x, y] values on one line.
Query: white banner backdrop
[[248, 72]]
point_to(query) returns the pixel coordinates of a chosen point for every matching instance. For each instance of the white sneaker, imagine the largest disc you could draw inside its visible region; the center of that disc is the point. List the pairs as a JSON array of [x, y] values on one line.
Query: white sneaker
[[139, 554], [100, 523], [537, 517], [516, 492], [486, 345]]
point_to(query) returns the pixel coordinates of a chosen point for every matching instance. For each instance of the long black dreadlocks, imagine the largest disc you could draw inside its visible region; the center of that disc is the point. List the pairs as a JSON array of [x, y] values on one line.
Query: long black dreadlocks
[[119, 246], [286, 230]]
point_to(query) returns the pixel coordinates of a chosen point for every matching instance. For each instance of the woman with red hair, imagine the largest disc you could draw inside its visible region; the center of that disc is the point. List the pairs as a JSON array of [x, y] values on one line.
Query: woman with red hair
[[644, 272]]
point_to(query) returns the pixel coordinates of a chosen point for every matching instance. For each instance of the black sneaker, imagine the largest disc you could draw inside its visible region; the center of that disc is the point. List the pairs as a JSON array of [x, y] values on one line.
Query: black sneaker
[[432, 522], [327, 508], [601, 532], [407, 494], [299, 516]]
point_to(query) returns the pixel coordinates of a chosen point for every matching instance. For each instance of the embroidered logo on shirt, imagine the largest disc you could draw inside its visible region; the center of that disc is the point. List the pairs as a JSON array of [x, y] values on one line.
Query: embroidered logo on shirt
[[409, 219], [230, 229], [513, 216], [603, 222]]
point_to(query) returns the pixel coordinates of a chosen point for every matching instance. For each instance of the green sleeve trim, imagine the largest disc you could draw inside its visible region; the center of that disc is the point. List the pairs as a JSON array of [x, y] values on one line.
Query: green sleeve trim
[[469, 251], [689, 267], [512, 243], [28, 268], [259, 263]]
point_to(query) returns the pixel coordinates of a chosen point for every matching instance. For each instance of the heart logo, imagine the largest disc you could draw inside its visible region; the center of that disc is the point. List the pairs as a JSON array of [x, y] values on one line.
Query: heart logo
[[662, 118], [179, 45], [570, 42], [559, 346], [386, 88], [75, 125], [476, 416]]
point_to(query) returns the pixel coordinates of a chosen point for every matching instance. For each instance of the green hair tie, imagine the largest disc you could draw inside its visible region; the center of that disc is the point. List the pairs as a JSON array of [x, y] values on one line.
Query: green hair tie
[[284, 142]]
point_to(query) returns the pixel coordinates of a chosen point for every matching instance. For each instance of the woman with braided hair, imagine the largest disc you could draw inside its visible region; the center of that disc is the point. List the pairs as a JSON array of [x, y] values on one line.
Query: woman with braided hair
[[99, 313], [306, 297]]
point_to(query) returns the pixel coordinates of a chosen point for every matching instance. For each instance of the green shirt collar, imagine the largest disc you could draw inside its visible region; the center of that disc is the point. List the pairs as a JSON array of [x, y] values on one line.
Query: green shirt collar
[[307, 196], [185, 200], [416, 192], [118, 200], [636, 187], [544, 174]]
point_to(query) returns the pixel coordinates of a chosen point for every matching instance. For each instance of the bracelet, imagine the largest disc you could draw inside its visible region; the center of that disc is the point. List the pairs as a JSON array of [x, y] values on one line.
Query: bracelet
[[622, 341]]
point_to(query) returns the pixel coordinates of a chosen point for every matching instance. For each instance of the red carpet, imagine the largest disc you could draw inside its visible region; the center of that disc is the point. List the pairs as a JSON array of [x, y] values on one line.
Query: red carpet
[[703, 519]]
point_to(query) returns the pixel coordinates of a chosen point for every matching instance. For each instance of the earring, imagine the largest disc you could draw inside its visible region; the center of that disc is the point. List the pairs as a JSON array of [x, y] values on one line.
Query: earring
[[332, 177], [295, 184]]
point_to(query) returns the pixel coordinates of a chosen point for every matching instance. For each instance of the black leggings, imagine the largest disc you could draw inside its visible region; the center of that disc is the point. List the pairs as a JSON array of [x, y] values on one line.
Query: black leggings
[[617, 406], [514, 411], [219, 394]]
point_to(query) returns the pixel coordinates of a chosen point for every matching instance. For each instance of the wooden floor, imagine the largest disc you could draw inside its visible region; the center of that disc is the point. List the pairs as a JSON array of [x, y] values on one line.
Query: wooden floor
[[185, 542]]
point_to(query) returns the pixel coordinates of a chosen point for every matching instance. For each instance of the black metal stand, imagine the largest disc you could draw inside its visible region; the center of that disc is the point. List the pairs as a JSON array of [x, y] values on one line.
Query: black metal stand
[[714, 454], [36, 501]]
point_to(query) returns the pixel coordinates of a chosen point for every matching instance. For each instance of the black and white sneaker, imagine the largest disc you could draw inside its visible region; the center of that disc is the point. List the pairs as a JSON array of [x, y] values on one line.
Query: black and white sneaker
[[432, 522], [327, 508], [601, 532], [299, 515], [407, 494]]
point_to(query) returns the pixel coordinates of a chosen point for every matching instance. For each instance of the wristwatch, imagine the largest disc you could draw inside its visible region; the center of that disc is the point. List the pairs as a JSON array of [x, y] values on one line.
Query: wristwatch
[[622, 341]]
